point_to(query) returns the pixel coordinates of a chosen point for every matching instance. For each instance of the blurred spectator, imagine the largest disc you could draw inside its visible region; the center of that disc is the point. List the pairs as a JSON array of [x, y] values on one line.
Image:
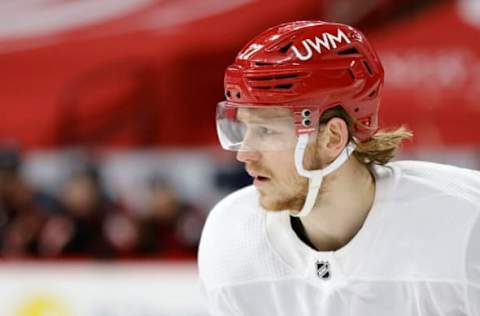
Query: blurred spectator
[[91, 224], [170, 227], [85, 222], [23, 210]]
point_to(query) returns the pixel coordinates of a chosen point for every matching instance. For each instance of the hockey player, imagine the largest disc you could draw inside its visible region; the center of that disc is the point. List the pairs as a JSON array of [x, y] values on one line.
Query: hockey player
[[330, 226]]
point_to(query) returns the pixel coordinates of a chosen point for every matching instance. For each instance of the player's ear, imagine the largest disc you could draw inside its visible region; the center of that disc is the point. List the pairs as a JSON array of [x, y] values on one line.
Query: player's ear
[[333, 137]]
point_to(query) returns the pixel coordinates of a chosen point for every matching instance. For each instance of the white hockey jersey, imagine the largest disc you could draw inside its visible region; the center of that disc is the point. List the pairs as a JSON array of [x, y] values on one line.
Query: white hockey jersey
[[417, 253]]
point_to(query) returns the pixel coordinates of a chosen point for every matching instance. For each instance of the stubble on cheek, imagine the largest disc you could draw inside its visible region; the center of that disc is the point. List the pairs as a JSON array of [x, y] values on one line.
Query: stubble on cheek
[[286, 195], [289, 192]]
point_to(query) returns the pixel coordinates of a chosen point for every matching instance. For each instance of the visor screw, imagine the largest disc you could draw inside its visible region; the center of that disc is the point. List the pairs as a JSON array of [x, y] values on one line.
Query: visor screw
[[306, 122], [306, 113]]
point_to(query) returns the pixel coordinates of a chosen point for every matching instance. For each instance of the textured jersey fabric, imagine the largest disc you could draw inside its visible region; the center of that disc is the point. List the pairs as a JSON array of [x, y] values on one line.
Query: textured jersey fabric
[[417, 253]]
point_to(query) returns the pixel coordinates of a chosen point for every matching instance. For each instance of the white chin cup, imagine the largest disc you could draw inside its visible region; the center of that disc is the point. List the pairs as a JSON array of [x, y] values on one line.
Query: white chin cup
[[315, 177]]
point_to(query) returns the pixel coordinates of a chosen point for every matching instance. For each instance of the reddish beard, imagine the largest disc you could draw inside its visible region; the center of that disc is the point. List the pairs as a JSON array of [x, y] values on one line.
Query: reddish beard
[[277, 200], [292, 198], [287, 201]]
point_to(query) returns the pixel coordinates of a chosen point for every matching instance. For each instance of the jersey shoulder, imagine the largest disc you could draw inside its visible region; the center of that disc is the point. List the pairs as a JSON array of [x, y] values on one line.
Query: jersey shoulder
[[427, 218], [233, 210], [423, 179], [234, 247]]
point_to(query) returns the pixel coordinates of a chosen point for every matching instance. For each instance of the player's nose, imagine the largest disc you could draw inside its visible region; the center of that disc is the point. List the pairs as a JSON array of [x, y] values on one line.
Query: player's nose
[[248, 155]]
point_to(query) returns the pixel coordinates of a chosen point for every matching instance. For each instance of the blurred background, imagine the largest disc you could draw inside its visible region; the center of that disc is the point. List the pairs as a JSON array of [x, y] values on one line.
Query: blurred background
[[109, 162]]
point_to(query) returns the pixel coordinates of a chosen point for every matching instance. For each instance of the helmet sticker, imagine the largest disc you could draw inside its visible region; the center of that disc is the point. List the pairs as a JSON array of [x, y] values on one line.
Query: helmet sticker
[[328, 41], [252, 49]]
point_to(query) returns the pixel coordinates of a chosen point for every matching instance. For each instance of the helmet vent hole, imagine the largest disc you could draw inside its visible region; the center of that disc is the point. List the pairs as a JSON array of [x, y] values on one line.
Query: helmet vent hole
[[260, 63], [356, 109], [289, 76], [306, 122], [263, 87], [284, 86], [261, 78], [238, 95], [285, 48], [367, 66], [278, 77], [372, 93], [228, 94], [349, 51]]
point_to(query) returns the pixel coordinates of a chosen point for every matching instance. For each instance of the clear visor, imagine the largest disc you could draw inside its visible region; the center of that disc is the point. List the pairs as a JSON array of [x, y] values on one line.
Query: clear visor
[[255, 128]]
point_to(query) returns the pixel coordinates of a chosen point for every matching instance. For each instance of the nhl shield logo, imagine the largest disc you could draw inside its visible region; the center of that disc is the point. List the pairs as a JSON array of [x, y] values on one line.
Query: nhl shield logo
[[323, 269]]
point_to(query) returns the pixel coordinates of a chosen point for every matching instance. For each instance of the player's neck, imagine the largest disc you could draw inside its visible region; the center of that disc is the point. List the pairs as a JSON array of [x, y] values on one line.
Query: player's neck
[[342, 206]]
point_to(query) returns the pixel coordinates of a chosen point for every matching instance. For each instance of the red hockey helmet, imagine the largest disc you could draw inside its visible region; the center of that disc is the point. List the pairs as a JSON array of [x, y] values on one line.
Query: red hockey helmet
[[306, 67]]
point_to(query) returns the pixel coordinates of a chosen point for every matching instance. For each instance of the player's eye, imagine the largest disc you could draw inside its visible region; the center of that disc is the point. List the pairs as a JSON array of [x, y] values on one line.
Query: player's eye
[[265, 131]]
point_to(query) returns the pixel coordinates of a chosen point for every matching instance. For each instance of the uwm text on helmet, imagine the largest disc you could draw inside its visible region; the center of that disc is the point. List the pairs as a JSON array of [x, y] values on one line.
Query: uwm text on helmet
[[325, 41]]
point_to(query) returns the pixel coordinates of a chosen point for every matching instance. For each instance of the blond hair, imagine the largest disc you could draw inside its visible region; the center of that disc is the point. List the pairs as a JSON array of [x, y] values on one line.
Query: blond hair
[[380, 148]]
